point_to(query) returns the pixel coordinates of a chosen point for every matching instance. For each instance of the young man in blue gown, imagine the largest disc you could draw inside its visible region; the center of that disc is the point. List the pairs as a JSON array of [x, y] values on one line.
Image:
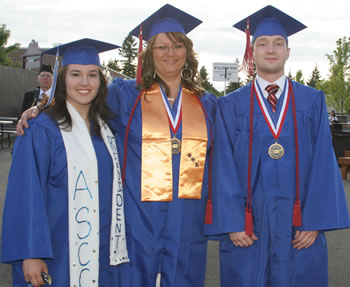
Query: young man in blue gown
[[277, 182]]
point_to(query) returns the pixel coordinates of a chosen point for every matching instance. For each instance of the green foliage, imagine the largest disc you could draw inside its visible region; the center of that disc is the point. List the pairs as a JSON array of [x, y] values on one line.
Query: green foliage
[[205, 82], [337, 87], [299, 77], [114, 64], [129, 53], [315, 78], [233, 86], [5, 60]]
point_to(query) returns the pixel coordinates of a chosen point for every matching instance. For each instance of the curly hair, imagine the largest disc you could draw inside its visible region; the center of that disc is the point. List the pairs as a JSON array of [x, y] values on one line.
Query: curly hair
[[58, 110], [148, 70]]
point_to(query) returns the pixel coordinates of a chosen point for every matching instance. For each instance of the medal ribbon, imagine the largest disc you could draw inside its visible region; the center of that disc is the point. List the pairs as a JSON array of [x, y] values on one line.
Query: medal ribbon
[[297, 204], [173, 122], [157, 179], [275, 130]]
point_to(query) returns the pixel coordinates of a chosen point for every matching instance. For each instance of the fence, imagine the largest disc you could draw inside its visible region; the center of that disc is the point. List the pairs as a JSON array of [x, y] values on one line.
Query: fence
[[14, 83]]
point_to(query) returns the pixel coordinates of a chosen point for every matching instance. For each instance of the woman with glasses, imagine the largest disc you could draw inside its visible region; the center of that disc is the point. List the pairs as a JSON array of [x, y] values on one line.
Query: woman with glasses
[[165, 123]]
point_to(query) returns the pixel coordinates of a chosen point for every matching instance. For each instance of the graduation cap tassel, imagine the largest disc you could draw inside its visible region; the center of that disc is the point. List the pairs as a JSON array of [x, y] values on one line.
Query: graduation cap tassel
[[248, 209], [248, 63], [249, 221], [297, 213], [209, 207], [55, 74], [139, 62], [297, 204]]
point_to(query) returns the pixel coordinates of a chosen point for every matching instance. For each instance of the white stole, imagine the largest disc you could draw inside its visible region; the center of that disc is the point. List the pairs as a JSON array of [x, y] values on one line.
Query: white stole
[[83, 203]]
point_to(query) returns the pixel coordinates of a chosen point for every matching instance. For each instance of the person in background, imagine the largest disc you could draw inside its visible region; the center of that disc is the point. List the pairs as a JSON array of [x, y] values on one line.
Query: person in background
[[31, 98], [277, 183], [63, 212], [333, 118]]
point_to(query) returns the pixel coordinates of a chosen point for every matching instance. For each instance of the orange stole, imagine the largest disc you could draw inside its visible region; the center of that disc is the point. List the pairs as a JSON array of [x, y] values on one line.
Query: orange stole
[[156, 166]]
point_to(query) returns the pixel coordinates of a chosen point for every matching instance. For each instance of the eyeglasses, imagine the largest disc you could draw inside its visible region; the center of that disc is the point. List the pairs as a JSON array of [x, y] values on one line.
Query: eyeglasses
[[45, 76], [165, 49]]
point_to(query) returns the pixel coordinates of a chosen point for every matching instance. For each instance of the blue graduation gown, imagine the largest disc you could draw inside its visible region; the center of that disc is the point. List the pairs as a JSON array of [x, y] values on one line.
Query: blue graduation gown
[[164, 237], [35, 219], [271, 261]]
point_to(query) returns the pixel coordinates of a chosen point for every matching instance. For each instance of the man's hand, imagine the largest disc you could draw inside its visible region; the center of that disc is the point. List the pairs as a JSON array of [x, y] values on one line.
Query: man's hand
[[241, 239], [23, 121], [32, 269], [304, 239]]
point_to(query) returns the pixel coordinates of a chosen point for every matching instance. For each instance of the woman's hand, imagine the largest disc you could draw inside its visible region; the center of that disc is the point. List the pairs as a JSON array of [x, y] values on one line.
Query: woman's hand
[[32, 269], [23, 121], [304, 239], [241, 239]]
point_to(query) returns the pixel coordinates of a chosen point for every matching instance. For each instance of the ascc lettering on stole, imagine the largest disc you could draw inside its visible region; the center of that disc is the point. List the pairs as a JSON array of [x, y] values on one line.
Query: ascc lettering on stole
[[83, 218]]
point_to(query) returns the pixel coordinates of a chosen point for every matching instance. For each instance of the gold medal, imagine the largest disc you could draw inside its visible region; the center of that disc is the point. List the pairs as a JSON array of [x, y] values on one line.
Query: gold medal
[[276, 151], [175, 145]]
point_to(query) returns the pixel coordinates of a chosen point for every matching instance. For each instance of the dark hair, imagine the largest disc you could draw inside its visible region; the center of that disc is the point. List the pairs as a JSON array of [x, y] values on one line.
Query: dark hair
[[148, 69], [58, 110]]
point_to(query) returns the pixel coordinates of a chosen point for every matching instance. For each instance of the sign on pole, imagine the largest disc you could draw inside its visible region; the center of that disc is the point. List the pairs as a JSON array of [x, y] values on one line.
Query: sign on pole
[[225, 72]]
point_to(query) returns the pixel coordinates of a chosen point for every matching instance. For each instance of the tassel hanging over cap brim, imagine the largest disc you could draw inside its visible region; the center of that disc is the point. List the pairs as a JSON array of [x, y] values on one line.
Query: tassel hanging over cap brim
[[248, 62]]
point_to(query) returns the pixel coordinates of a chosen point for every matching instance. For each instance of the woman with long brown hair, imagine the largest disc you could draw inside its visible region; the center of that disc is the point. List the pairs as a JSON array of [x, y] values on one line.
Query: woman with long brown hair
[[164, 126], [63, 214]]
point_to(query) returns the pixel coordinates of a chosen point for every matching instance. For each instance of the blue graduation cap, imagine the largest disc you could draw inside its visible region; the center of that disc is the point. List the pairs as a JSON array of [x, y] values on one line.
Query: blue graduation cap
[[166, 19], [84, 51], [270, 21]]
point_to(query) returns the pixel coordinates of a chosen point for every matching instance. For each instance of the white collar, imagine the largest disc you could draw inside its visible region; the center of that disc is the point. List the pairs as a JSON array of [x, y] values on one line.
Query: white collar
[[48, 92], [263, 84]]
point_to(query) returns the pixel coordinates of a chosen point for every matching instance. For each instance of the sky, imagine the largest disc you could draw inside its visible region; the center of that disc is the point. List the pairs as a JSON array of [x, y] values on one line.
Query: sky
[[215, 40]]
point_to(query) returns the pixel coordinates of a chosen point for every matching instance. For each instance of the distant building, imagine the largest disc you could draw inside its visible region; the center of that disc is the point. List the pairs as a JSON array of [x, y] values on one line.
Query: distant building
[[31, 59]]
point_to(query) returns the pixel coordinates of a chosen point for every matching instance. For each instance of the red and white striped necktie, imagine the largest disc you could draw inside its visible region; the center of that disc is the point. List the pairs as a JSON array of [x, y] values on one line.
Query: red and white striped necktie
[[271, 98]]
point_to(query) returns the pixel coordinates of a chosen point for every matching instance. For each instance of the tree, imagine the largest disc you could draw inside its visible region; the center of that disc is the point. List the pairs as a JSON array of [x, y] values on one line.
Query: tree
[[205, 82], [315, 78], [290, 76], [5, 51], [232, 86], [337, 87], [129, 53], [114, 64], [299, 77]]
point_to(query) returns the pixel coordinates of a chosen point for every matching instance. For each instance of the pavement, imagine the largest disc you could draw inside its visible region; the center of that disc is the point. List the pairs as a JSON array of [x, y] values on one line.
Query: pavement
[[338, 243]]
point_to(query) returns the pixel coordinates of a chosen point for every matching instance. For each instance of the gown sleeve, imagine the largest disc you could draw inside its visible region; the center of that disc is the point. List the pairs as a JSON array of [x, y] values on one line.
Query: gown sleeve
[[324, 206], [228, 197], [121, 97], [25, 228]]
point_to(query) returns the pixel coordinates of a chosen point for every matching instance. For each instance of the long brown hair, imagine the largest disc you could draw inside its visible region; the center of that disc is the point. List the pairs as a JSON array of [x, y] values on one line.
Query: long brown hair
[[58, 110], [148, 70]]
